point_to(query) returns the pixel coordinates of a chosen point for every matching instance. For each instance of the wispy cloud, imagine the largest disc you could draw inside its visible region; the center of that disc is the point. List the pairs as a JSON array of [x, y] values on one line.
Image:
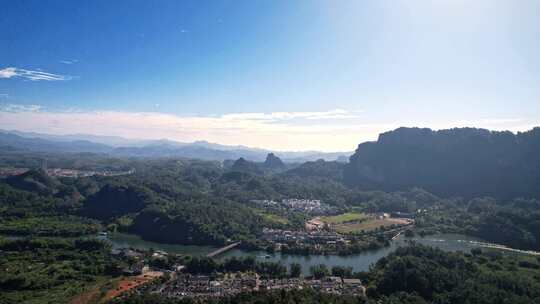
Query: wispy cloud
[[18, 108], [4, 95], [276, 130], [69, 61], [33, 75], [277, 116]]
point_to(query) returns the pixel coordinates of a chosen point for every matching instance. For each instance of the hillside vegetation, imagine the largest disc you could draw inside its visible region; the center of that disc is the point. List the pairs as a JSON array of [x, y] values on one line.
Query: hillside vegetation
[[457, 162]]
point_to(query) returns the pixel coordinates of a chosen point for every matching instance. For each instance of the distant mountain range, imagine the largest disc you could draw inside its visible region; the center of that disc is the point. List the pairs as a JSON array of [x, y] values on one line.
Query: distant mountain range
[[122, 147], [465, 162]]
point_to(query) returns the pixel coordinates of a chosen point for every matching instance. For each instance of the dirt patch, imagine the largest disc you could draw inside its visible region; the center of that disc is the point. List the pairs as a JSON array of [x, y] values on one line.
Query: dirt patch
[[314, 224], [401, 221], [129, 283], [91, 296]]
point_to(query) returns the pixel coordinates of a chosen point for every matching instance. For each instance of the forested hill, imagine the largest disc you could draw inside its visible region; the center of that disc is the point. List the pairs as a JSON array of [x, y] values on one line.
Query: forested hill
[[456, 162]]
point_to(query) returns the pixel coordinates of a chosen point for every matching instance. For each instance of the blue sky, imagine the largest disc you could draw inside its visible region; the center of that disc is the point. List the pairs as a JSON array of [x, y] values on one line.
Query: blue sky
[[286, 75]]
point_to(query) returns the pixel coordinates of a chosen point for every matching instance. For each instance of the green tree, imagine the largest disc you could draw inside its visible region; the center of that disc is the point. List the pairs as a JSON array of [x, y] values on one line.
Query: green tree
[[340, 271], [319, 271], [296, 270]]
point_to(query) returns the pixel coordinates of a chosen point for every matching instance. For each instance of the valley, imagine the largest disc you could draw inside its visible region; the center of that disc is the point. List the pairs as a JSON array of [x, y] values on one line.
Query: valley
[[166, 214], [269, 152]]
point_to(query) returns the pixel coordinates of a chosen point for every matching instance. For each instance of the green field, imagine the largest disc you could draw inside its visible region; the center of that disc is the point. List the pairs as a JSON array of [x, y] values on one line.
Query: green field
[[351, 222], [344, 218], [274, 218], [367, 225]]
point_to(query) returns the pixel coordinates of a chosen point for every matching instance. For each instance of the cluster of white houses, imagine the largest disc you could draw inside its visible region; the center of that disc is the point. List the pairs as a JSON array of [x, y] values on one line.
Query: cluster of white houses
[[202, 286], [301, 236], [309, 206]]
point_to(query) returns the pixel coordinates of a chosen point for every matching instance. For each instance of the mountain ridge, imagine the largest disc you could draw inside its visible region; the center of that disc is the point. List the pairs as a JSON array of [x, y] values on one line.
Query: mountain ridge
[[460, 161], [39, 142]]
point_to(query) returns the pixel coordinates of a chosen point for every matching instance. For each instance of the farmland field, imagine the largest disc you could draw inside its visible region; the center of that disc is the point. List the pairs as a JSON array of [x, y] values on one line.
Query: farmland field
[[272, 217], [368, 225], [351, 222], [344, 218]]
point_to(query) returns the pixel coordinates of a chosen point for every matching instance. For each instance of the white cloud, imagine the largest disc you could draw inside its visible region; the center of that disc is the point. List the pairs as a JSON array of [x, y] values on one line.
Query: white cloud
[[278, 130], [69, 61], [326, 131], [8, 73], [36, 75], [17, 108], [277, 116]]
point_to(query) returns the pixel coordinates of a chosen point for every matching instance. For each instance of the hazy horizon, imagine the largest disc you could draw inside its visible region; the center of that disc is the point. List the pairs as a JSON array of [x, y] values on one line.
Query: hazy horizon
[[277, 75], [119, 141]]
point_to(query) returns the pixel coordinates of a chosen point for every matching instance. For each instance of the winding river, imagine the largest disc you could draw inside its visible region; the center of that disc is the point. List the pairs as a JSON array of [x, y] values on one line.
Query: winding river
[[359, 262]]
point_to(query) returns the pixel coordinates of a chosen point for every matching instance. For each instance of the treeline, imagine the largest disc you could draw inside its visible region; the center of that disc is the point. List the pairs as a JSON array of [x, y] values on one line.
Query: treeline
[[209, 266], [203, 265], [434, 276], [278, 297], [29, 213], [515, 223], [52, 270], [358, 244]]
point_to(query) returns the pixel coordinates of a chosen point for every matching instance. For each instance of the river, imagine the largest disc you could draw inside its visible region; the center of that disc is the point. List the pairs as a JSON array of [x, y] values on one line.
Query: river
[[358, 262]]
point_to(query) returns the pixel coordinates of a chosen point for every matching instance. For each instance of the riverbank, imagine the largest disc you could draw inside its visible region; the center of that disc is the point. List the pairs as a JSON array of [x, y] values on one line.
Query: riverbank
[[506, 248], [358, 262]]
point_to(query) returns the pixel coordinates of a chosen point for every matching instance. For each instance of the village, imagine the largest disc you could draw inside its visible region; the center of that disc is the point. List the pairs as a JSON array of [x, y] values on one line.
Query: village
[[319, 232], [307, 206], [186, 285], [63, 172], [334, 233], [279, 236], [175, 283]]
